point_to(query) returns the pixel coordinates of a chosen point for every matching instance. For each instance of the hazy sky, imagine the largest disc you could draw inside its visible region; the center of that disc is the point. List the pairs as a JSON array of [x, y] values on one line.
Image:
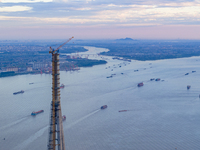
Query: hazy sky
[[99, 19]]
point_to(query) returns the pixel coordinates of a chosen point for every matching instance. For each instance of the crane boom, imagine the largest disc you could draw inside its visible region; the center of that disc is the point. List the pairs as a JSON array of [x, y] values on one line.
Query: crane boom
[[64, 43], [52, 51]]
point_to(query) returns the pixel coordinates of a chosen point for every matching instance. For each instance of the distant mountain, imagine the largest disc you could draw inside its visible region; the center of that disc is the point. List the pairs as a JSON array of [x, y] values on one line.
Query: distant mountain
[[126, 39]]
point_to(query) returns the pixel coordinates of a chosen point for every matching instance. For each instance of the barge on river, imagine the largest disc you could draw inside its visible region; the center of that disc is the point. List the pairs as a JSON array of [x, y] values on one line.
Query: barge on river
[[18, 92], [62, 86], [104, 107], [37, 112], [188, 87], [140, 84]]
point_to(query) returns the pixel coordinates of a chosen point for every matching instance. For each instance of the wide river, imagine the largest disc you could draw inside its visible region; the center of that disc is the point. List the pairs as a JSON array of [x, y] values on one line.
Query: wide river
[[161, 115]]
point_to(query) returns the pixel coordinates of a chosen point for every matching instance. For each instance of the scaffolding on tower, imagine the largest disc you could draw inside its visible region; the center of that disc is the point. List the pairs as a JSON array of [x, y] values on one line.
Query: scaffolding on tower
[[56, 134]]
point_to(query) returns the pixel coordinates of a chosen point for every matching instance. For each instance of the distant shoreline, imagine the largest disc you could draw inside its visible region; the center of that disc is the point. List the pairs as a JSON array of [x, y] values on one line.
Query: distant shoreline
[[150, 50], [149, 58], [12, 73]]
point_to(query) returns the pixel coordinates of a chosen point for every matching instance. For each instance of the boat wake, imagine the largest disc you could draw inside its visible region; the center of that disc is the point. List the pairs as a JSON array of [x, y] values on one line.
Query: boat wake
[[83, 118], [36, 88], [32, 138], [13, 123]]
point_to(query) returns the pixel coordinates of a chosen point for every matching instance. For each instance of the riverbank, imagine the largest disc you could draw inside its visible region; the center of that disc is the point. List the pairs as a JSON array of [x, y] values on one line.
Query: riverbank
[[68, 62], [144, 50], [12, 73]]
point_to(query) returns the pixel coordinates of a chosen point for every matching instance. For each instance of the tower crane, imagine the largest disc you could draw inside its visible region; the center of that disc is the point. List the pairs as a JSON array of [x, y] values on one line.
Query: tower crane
[[56, 134], [53, 51]]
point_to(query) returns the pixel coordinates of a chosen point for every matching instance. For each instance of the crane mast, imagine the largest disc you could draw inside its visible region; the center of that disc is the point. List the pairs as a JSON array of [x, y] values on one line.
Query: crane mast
[[56, 134]]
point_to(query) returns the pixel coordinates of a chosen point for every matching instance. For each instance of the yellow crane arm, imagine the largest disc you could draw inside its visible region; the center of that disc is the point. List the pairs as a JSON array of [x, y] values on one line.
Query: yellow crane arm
[[60, 45]]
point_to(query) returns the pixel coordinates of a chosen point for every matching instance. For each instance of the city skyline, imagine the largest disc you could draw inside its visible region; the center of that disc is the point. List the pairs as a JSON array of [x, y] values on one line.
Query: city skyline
[[95, 19]]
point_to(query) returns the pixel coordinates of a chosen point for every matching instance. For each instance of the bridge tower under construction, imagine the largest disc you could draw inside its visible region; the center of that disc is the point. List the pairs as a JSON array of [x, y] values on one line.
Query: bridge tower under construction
[[56, 134]]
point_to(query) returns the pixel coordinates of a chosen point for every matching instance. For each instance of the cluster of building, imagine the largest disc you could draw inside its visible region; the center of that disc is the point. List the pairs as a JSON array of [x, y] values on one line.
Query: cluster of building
[[32, 67], [38, 67]]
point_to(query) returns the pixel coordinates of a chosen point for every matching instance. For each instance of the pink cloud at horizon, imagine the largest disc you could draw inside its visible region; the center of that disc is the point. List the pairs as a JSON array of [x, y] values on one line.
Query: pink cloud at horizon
[[142, 32]]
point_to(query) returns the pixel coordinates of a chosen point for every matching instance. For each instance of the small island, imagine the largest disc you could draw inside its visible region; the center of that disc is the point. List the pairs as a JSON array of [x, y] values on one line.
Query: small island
[[71, 64], [125, 39]]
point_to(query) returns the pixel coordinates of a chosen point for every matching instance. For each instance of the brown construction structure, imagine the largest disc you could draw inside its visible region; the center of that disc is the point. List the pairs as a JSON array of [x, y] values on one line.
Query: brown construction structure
[[56, 134]]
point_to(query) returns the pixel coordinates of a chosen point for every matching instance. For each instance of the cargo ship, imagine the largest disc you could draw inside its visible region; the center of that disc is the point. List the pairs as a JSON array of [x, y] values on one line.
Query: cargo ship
[[18, 92], [62, 86], [188, 87], [109, 77], [140, 84], [122, 110], [158, 79], [37, 112], [104, 107]]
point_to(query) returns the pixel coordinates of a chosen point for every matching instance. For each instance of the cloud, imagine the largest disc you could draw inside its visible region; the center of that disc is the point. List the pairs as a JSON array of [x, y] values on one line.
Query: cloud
[[14, 9], [24, 1], [99, 15], [102, 13]]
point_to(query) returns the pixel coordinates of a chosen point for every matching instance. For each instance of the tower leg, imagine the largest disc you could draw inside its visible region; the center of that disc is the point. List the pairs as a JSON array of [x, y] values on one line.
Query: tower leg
[[56, 134]]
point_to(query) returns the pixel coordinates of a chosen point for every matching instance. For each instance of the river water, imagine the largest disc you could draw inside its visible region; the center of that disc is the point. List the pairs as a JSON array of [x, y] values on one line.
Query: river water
[[161, 115]]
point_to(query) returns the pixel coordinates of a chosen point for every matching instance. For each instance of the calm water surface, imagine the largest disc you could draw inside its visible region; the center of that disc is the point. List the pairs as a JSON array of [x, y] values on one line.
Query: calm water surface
[[161, 115]]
